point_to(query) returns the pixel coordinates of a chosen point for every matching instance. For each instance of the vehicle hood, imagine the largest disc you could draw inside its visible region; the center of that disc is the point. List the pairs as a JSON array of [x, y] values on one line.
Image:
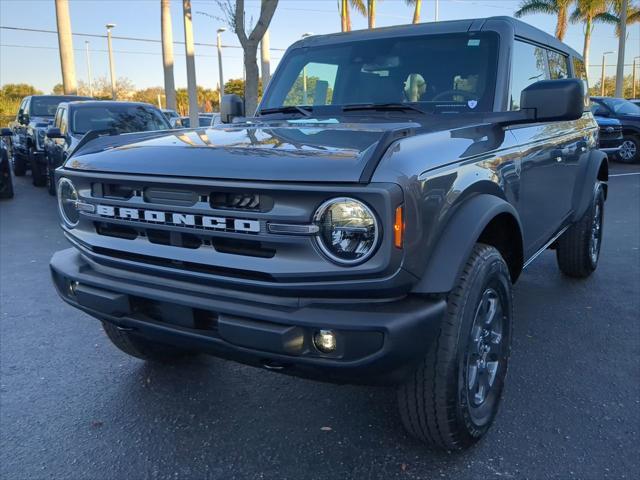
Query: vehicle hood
[[635, 119], [286, 151], [40, 122], [607, 122], [305, 150]]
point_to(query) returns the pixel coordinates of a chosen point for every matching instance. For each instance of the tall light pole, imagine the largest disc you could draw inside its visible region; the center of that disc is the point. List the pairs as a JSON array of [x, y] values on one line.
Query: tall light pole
[[189, 51], [112, 67], [89, 75], [621, 48], [219, 45], [602, 78], [437, 16], [633, 78], [304, 75]]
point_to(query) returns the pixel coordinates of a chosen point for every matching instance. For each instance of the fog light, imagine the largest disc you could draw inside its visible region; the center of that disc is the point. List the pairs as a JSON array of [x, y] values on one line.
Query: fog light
[[73, 286], [325, 341]]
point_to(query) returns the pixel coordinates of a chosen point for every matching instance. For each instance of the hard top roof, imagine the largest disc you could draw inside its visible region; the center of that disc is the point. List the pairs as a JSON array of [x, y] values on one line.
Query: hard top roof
[[107, 103], [520, 29]]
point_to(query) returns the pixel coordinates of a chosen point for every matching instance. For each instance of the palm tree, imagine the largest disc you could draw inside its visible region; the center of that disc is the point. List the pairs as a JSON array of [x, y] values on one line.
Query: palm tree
[[65, 44], [588, 12], [416, 10], [371, 13], [560, 8], [613, 15], [345, 17]]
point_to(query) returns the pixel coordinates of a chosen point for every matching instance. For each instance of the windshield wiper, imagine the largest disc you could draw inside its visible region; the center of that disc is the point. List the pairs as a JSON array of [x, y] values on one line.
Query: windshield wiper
[[304, 110], [382, 107]]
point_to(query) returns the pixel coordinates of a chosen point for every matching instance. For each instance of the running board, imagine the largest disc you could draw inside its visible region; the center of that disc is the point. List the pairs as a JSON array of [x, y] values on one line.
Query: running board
[[546, 245]]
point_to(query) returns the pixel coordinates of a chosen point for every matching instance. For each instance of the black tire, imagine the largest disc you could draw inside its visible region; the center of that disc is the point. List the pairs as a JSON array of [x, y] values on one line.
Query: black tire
[[7, 182], [142, 348], [629, 149], [37, 175], [51, 180], [578, 249], [441, 403], [19, 164]]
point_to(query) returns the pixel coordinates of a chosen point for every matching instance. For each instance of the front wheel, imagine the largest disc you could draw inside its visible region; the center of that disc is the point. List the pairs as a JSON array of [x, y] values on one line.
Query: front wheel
[[19, 163], [452, 398], [578, 249], [37, 175], [629, 150], [51, 180]]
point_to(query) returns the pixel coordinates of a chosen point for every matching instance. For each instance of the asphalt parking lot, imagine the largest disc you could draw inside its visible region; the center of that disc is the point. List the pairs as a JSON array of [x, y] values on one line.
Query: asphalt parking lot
[[74, 407]]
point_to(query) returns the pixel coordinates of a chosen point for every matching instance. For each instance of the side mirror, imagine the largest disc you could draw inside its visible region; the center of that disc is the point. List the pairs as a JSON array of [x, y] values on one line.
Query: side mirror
[[23, 118], [231, 107], [54, 132], [6, 132], [555, 100]]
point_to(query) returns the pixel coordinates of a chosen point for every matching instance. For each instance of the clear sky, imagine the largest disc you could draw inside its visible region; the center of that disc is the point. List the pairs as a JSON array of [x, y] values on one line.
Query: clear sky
[[33, 57]]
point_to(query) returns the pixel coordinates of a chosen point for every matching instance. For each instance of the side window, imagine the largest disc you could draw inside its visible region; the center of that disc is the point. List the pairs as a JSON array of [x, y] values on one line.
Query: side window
[[558, 65], [63, 121], [22, 106], [314, 85], [578, 69], [27, 103], [528, 65]]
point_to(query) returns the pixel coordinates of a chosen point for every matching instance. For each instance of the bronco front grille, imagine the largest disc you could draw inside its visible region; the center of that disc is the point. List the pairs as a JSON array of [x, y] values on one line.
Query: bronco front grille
[[610, 132], [182, 265]]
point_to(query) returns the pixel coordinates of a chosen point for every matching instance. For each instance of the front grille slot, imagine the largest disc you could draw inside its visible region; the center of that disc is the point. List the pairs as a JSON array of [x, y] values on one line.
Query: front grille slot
[[183, 198], [185, 266], [117, 231], [236, 200], [242, 247]]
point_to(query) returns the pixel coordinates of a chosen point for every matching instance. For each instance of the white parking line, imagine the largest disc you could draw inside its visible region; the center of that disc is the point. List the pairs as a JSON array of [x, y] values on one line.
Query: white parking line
[[624, 174]]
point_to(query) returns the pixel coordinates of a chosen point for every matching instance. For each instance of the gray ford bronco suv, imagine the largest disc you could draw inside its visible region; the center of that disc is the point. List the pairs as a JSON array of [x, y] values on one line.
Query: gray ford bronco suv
[[365, 225]]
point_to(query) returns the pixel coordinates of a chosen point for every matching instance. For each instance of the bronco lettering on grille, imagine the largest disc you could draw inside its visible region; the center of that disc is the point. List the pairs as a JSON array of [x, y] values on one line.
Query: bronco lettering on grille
[[181, 219]]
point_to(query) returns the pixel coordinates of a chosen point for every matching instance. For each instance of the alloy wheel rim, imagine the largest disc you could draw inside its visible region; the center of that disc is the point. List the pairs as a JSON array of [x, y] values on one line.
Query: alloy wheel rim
[[596, 234], [628, 150], [485, 348]]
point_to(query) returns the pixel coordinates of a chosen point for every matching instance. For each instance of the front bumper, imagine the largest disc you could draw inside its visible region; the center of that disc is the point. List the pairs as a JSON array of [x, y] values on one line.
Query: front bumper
[[378, 341]]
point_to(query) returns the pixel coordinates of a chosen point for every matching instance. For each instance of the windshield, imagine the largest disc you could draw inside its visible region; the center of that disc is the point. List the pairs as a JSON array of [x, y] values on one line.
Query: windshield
[[121, 118], [46, 106], [621, 107], [437, 72]]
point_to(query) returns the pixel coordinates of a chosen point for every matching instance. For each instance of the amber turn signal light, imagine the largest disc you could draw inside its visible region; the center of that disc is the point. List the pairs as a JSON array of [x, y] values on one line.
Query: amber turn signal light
[[398, 228]]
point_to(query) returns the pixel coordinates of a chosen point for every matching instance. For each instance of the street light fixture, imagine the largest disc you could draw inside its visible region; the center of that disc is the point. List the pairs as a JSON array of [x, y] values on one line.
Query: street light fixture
[[602, 79], [112, 68]]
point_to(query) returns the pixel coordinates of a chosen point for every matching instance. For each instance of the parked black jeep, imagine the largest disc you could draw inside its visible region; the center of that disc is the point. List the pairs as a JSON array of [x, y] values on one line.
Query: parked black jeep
[[32, 120], [74, 120], [366, 225]]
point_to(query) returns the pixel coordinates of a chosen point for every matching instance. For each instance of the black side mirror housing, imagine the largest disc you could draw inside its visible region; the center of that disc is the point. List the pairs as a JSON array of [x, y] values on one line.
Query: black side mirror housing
[[54, 132], [232, 106], [555, 100], [23, 118], [6, 132]]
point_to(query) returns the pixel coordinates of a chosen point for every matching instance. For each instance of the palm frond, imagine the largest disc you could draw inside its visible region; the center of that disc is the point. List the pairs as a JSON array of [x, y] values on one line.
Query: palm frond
[[358, 6], [529, 7], [607, 17]]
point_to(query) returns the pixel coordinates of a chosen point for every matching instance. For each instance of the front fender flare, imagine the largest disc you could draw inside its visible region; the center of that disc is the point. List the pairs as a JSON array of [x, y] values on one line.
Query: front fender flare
[[458, 239], [587, 181]]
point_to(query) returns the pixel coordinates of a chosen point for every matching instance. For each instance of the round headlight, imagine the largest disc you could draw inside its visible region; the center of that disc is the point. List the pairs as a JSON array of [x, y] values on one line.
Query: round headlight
[[67, 202], [348, 230]]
